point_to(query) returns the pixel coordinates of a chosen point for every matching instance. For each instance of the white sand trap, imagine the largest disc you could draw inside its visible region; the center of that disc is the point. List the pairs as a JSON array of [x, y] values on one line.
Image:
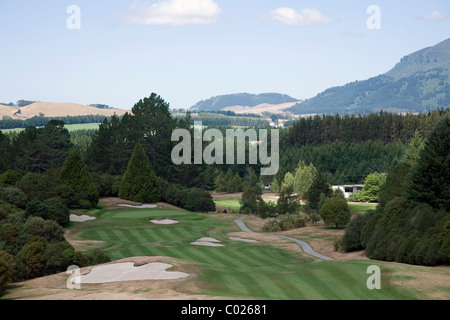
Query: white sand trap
[[209, 242], [164, 221], [83, 218], [242, 239], [138, 206], [119, 272]]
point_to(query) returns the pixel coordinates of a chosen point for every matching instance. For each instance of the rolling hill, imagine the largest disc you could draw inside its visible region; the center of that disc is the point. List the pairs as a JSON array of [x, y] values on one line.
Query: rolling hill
[[52, 109], [419, 82], [242, 101]]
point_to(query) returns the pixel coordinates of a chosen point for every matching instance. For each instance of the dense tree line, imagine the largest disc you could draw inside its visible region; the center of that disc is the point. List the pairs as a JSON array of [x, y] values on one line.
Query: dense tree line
[[343, 162], [412, 222], [213, 119], [386, 127], [8, 123]]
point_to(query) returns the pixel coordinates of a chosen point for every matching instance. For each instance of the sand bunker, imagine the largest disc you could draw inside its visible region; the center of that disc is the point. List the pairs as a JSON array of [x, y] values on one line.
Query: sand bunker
[[164, 221], [119, 272], [242, 239], [83, 218], [210, 242], [138, 206]]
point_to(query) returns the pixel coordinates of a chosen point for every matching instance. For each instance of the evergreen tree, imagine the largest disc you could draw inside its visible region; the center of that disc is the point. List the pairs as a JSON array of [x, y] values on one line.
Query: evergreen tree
[[319, 186], [75, 174], [139, 182], [429, 182]]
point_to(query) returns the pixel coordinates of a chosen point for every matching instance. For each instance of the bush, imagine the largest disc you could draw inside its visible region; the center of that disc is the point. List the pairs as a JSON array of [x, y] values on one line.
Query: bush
[[59, 256], [335, 211], [40, 186], [7, 264], [351, 240], [33, 258], [14, 196], [57, 211], [66, 195], [35, 208], [49, 230], [9, 179], [97, 256], [285, 224]]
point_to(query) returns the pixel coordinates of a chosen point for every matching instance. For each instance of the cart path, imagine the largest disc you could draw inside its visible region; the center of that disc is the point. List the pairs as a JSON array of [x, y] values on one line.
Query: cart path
[[305, 246]]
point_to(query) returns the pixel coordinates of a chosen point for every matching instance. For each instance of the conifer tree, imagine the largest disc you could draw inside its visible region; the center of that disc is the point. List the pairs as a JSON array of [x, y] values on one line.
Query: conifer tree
[[319, 186], [139, 182], [429, 182], [75, 174]]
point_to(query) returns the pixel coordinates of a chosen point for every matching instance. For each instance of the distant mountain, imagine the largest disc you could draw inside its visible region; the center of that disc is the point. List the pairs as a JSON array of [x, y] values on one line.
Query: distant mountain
[[419, 82], [242, 99]]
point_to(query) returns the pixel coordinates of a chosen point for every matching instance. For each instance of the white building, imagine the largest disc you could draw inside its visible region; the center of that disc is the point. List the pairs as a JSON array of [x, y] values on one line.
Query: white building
[[349, 189]]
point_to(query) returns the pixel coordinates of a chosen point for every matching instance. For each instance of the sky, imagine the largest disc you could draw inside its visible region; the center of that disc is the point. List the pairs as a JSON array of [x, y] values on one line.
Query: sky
[[118, 52]]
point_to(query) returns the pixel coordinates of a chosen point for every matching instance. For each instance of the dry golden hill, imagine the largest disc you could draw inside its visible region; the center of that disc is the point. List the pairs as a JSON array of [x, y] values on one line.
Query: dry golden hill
[[7, 111], [53, 109], [261, 108]]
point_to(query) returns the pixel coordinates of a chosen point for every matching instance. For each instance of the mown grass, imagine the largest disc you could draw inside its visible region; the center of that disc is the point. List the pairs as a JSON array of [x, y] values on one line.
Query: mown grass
[[232, 204], [69, 127], [238, 270], [354, 207]]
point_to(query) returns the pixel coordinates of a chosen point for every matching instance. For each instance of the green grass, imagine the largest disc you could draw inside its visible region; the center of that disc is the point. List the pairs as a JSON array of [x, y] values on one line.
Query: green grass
[[354, 208], [238, 270], [69, 127], [362, 207], [233, 204]]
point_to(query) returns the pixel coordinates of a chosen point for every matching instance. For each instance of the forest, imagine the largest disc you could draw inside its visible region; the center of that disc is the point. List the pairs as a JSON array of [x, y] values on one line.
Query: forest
[[46, 171]]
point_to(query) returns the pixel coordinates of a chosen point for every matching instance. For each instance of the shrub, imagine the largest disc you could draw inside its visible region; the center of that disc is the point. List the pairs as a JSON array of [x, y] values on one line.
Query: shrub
[[39, 186], [14, 196], [9, 179], [59, 256], [33, 257], [285, 224], [351, 240], [57, 211], [7, 264], [97, 256], [335, 211], [49, 230], [35, 208]]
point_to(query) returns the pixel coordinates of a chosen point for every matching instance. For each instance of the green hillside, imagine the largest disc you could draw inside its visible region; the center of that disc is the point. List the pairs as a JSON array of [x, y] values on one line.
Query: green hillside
[[419, 82]]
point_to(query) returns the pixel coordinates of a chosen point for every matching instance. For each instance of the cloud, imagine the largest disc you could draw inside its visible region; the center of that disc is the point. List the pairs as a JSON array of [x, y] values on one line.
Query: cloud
[[436, 16], [172, 13], [303, 18]]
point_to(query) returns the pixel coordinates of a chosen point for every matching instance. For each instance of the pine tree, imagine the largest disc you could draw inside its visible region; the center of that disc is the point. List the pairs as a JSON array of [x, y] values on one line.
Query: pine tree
[[429, 179], [319, 186], [75, 174], [139, 182]]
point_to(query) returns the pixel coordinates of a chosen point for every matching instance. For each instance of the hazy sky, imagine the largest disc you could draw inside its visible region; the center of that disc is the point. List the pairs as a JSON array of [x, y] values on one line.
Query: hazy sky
[[189, 50]]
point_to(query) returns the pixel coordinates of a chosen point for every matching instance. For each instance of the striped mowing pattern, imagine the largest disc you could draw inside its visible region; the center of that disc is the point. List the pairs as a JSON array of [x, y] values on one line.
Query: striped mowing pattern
[[238, 270]]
